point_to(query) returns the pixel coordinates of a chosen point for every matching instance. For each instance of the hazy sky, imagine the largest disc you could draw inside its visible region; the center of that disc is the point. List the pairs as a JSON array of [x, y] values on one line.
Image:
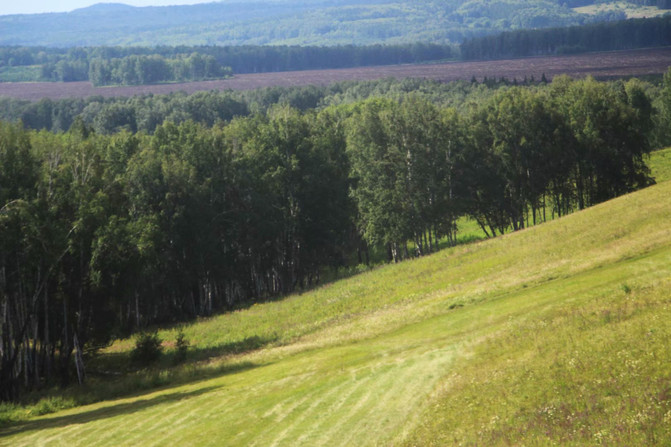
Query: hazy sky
[[37, 6]]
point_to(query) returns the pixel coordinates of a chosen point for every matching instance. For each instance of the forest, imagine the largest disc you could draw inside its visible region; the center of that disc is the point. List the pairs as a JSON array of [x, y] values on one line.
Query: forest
[[103, 233], [662, 4], [291, 22], [142, 70], [151, 65], [610, 36]]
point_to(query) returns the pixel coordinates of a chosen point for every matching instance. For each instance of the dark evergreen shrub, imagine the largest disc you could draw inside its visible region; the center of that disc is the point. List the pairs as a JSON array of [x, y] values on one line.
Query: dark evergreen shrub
[[147, 348]]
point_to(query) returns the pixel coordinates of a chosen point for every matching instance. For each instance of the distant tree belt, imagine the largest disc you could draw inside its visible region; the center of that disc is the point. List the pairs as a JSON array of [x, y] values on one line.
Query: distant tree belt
[[153, 69], [105, 234], [621, 35], [143, 65]]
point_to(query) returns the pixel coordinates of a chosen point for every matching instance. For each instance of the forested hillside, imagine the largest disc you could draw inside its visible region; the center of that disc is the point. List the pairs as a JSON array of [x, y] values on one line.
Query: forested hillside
[[620, 35], [103, 234], [289, 22], [662, 4]]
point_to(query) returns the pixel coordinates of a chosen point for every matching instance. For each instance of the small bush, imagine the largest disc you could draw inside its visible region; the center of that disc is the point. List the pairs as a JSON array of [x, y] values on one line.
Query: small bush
[[51, 405], [147, 348], [10, 412], [181, 347]]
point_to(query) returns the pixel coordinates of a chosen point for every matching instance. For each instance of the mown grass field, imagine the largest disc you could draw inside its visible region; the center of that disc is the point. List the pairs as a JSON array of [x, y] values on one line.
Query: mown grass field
[[557, 334]]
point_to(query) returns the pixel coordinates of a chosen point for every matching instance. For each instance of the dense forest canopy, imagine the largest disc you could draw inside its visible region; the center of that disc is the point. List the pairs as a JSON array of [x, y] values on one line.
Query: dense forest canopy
[[621, 35], [291, 22], [105, 232], [662, 4]]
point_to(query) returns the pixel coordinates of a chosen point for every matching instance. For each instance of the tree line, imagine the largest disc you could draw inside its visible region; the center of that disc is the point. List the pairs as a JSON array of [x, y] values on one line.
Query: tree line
[[153, 69], [144, 113], [101, 235], [135, 69], [608, 36], [145, 65]]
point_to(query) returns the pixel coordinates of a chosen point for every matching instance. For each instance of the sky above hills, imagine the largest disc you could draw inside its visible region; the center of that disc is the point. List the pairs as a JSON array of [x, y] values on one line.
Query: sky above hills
[[40, 6]]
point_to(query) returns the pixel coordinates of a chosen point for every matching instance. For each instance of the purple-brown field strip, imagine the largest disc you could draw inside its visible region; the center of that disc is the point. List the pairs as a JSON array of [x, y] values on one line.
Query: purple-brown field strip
[[601, 65]]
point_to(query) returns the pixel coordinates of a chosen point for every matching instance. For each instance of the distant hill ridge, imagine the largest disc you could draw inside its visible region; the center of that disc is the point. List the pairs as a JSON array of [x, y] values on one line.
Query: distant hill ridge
[[105, 7], [288, 22]]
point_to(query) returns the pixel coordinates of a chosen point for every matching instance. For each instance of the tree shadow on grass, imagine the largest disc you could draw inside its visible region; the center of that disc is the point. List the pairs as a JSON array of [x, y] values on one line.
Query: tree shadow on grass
[[117, 377], [119, 363], [249, 344], [107, 411], [111, 410]]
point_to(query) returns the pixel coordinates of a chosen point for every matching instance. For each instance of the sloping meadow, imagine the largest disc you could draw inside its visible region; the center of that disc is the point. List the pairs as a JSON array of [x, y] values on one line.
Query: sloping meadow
[[554, 334]]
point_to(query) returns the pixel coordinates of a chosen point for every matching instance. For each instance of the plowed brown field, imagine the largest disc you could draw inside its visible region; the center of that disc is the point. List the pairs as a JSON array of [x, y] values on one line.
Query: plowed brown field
[[599, 65]]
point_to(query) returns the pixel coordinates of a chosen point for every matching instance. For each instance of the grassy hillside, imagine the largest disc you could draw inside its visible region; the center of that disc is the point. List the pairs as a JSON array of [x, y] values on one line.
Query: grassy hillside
[[660, 165], [556, 334]]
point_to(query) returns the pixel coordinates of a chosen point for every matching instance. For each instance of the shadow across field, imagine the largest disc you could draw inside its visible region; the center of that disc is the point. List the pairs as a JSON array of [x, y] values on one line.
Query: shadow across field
[[236, 347], [119, 363], [125, 386], [105, 412]]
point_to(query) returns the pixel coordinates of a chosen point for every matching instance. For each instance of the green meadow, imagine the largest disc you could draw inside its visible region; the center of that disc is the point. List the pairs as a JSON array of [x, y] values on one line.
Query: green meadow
[[554, 335], [660, 165]]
